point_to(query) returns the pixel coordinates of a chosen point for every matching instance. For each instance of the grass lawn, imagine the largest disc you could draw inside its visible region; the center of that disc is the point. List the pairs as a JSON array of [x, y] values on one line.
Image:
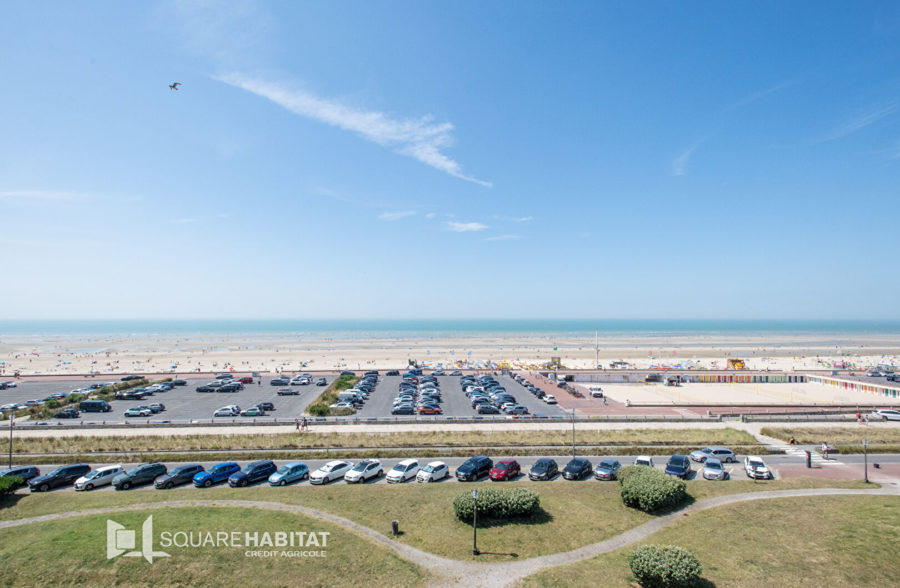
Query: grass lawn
[[575, 513], [821, 541], [316, 440], [73, 552], [849, 435]]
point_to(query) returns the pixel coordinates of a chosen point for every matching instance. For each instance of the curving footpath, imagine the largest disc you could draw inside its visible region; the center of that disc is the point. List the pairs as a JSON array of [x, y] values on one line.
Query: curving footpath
[[453, 572]]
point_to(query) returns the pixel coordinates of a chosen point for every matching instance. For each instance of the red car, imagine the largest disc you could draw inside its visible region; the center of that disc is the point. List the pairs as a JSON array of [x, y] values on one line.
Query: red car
[[505, 470], [246, 380]]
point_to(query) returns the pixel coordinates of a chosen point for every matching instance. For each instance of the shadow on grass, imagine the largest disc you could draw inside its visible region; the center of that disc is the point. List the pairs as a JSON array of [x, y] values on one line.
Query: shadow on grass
[[541, 517], [10, 500]]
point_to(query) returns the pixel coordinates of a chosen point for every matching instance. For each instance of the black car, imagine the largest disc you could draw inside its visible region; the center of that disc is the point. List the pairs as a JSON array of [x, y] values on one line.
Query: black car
[[403, 409], [543, 469], [392, 373], [487, 409], [346, 373], [577, 469], [679, 466], [67, 413], [205, 388], [267, 406], [608, 469], [131, 377], [232, 387], [61, 476], [280, 382], [474, 468], [24, 472], [254, 472], [142, 474], [183, 474], [179, 382]]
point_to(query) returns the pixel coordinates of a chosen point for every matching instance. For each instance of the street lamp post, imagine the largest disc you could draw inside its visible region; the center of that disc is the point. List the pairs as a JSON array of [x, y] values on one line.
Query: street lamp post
[[865, 461], [12, 421], [573, 433], [475, 524]]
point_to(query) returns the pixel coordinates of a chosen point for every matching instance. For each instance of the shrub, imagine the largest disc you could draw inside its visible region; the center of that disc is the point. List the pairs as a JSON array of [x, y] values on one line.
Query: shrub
[[649, 489], [664, 566], [9, 483], [318, 409], [497, 503]]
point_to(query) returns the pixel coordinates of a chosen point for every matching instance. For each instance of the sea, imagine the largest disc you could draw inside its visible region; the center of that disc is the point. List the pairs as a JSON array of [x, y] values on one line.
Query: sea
[[411, 328]]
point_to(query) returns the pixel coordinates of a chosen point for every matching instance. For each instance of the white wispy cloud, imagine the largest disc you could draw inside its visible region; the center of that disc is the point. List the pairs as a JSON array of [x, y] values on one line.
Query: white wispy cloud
[[465, 227], [751, 98], [39, 195], [680, 163], [395, 216], [503, 238], [419, 138], [430, 215], [182, 221], [861, 121]]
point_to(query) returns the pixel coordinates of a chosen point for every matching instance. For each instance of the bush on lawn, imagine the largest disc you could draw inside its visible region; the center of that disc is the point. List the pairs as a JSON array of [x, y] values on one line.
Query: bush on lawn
[[318, 409], [665, 566], [649, 489], [9, 483], [498, 503]]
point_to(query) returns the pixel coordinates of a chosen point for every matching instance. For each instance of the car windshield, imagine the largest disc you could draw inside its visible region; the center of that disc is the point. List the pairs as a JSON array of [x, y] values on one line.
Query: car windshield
[[361, 466], [713, 465], [541, 466], [57, 471], [608, 464], [501, 466], [428, 468]]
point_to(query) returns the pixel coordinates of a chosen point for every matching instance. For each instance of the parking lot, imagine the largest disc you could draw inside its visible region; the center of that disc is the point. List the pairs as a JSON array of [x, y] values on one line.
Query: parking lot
[[183, 403], [454, 403]]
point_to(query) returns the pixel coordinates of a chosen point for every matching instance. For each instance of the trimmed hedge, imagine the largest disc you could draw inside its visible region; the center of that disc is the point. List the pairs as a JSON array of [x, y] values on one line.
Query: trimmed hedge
[[8, 484], [665, 566], [649, 489], [497, 503]]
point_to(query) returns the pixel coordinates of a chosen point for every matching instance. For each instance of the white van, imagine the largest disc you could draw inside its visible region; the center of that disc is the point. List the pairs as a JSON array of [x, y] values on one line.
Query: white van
[[596, 392], [348, 396]]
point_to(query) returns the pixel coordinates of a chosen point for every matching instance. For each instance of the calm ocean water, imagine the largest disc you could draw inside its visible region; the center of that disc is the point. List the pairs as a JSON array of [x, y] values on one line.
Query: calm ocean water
[[452, 327]]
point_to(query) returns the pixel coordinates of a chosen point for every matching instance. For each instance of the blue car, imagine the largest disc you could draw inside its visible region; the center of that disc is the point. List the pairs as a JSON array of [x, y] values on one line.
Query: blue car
[[289, 473], [679, 466], [216, 474]]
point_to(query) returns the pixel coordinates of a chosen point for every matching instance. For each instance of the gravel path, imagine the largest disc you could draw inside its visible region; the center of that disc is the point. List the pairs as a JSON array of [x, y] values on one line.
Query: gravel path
[[450, 572]]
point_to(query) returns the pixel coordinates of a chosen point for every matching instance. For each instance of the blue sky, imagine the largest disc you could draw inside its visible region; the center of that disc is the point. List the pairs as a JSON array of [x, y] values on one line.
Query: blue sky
[[448, 160]]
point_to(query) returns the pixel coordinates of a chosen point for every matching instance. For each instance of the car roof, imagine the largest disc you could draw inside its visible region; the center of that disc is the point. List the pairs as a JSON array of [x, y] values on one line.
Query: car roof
[[336, 463], [435, 464], [291, 464], [107, 467], [408, 462], [507, 461], [713, 460]]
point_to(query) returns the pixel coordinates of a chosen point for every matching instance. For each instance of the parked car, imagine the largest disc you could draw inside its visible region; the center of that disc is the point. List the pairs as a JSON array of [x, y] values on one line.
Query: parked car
[[433, 471], [333, 470], [288, 392], [713, 470], [756, 468], [224, 412], [886, 414], [543, 469], [486, 408], [156, 407], [253, 411], [67, 413], [643, 460], [577, 469], [280, 382], [403, 471], [102, 476], [131, 377], [679, 466], [364, 471], [138, 411], [321, 382], [256, 471], [723, 454], [94, 406], [61, 476], [142, 474], [549, 399], [430, 409], [608, 469], [474, 468], [216, 474], [265, 406], [24, 473], [179, 382], [205, 388], [289, 473], [505, 469], [182, 474], [245, 380]]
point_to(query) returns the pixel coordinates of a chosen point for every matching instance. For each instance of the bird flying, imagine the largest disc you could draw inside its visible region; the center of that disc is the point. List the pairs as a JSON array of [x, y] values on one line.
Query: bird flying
[[174, 86]]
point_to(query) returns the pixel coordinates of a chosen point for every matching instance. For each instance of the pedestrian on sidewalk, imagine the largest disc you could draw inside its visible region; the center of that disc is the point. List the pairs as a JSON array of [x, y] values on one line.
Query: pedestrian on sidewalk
[[867, 420], [858, 418], [297, 424], [792, 442], [305, 425], [824, 450]]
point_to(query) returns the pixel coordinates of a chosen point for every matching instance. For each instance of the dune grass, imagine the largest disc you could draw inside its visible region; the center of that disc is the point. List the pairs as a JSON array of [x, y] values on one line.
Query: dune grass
[[73, 552], [811, 541], [849, 435]]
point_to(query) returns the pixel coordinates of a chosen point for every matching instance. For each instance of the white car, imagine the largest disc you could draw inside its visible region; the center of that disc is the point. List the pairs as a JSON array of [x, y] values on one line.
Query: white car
[[333, 470], [756, 468], [363, 471], [227, 411], [886, 415], [550, 399], [102, 476], [138, 412], [432, 472], [403, 471], [643, 460], [341, 405]]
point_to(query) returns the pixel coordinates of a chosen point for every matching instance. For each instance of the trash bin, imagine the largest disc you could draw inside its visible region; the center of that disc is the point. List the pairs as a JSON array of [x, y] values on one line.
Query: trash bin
[[395, 527], [808, 459]]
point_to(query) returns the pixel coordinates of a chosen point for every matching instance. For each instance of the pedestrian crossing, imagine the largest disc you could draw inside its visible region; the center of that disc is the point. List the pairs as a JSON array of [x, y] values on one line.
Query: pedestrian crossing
[[816, 458]]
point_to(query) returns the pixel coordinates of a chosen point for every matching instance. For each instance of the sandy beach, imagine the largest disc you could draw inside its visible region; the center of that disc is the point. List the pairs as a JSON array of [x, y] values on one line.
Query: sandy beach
[[78, 355]]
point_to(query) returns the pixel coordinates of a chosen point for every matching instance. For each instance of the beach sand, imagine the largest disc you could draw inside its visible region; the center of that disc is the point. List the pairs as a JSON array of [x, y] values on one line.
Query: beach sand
[[116, 355]]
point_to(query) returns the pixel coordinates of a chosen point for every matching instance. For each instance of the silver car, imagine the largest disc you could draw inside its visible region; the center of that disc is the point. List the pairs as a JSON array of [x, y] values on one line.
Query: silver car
[[713, 470], [723, 454]]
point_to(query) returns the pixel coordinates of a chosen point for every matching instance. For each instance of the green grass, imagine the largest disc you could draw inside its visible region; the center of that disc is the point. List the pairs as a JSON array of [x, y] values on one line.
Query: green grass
[[623, 439], [73, 552], [330, 396], [812, 541], [574, 513], [849, 435]]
